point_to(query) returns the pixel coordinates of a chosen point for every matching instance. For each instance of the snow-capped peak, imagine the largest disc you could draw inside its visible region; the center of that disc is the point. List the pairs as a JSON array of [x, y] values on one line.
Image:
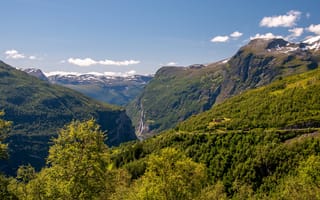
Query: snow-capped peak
[[313, 42], [114, 74]]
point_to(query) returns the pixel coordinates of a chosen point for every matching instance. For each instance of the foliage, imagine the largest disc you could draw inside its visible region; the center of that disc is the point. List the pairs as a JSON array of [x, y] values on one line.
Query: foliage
[[4, 181], [304, 184], [169, 175], [4, 128], [291, 103], [77, 162]]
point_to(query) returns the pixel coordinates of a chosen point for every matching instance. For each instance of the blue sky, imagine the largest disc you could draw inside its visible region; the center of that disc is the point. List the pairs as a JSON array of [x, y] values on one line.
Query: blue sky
[[142, 35]]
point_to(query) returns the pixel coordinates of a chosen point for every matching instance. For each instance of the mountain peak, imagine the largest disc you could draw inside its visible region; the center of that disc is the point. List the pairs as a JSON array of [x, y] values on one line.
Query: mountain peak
[[36, 73], [313, 43], [265, 44]]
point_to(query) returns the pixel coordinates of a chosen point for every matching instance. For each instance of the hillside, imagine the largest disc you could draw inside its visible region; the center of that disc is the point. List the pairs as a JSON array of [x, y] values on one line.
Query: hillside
[[261, 144], [39, 109], [291, 103], [176, 93]]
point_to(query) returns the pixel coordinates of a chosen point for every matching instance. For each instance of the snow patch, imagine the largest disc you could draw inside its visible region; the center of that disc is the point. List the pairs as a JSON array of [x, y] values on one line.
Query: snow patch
[[312, 40], [110, 74]]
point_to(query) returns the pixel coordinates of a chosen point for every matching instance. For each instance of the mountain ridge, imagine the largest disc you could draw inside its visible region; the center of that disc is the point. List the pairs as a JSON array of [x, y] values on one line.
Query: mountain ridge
[[177, 93]]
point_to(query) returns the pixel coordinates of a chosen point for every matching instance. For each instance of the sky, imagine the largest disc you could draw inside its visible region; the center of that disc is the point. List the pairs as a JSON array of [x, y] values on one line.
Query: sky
[[140, 36]]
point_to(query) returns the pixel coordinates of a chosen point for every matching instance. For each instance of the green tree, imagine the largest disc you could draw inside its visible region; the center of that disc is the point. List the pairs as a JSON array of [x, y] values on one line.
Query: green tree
[[305, 184], [77, 165], [4, 181], [4, 128], [169, 175], [213, 192]]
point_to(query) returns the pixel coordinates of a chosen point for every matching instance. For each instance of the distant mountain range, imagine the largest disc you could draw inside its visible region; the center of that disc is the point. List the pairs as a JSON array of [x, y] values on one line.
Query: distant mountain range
[[176, 93], [113, 89]]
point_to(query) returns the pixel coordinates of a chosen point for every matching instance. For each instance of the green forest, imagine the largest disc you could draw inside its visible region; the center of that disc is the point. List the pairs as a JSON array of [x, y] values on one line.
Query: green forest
[[262, 144]]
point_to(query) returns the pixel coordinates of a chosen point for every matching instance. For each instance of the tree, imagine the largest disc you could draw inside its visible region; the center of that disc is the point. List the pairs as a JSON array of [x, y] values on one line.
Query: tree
[[169, 176], [77, 165], [305, 184], [4, 181], [4, 128], [213, 192]]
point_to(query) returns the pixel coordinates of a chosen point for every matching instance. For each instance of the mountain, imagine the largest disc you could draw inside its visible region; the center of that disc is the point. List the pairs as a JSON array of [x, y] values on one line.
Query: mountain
[[292, 103], [176, 93], [39, 109], [113, 89], [36, 73], [261, 144]]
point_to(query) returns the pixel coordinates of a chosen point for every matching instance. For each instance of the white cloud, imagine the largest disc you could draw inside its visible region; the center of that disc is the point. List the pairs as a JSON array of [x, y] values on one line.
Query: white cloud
[[220, 39], [314, 29], [171, 64], [88, 62], [236, 34], [131, 72], [287, 20], [295, 33], [82, 62], [13, 54], [265, 36], [119, 63], [33, 58]]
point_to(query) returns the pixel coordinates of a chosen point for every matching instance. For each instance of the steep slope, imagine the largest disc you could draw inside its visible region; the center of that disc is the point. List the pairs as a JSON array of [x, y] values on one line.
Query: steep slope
[[177, 93], [38, 109], [174, 94], [118, 90]]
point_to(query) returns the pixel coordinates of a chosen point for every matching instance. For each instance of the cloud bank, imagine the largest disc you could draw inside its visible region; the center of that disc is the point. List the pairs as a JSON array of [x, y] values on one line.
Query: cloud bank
[[86, 62]]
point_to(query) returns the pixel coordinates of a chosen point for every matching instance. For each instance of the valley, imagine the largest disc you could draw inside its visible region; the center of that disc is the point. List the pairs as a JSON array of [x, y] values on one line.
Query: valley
[[246, 126]]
